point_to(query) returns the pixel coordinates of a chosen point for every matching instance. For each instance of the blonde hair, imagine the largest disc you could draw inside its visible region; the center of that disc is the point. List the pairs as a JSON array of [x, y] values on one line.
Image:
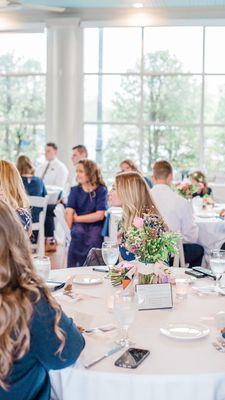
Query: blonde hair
[[12, 186], [24, 165], [135, 197], [199, 177], [20, 289]]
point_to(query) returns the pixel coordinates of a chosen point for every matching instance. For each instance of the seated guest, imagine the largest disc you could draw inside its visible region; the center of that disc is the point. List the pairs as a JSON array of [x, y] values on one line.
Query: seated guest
[[33, 184], [53, 172], [79, 152], [129, 166], [36, 336], [85, 212], [176, 211], [132, 193], [13, 193], [199, 180]]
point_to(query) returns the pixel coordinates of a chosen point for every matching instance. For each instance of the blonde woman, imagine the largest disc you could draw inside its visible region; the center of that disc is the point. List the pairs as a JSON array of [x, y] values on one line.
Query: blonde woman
[[132, 193], [12, 191], [199, 180], [35, 335]]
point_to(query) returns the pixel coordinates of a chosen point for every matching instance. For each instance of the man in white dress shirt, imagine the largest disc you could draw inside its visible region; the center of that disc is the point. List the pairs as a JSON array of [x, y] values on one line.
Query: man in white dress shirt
[[52, 171], [176, 211]]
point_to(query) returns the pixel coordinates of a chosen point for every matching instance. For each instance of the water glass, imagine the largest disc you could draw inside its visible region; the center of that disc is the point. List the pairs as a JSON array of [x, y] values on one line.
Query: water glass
[[182, 288], [217, 264], [42, 266], [125, 308], [110, 253]]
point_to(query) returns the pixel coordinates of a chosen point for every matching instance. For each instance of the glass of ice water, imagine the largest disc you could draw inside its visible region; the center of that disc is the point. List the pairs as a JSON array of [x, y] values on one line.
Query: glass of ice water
[[42, 266], [125, 308], [217, 264], [110, 253]]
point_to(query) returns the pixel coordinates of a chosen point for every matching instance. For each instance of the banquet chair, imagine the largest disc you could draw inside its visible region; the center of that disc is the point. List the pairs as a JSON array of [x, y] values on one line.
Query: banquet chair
[[40, 202], [64, 235], [179, 260]]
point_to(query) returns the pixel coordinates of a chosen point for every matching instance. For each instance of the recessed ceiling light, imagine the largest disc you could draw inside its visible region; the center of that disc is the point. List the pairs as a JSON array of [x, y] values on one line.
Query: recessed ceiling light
[[138, 5]]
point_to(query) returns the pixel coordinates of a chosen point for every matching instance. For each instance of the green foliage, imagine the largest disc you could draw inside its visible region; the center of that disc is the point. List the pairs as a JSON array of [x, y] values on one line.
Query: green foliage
[[22, 105]]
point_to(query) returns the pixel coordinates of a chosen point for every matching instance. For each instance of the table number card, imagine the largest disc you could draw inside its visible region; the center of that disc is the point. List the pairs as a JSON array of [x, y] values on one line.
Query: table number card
[[155, 296]]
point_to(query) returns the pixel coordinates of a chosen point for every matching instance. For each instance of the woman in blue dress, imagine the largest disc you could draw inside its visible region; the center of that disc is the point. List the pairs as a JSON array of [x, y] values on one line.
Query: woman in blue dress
[[85, 212], [34, 185]]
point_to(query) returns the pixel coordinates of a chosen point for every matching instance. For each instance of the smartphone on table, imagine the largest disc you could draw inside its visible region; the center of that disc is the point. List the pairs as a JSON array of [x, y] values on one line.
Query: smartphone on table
[[196, 274], [132, 358]]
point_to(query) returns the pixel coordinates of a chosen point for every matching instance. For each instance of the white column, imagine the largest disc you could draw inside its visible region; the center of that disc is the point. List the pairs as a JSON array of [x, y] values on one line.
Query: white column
[[64, 95]]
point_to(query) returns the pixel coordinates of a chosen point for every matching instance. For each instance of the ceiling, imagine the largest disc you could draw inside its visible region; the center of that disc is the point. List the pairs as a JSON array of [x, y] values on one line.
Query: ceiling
[[164, 4]]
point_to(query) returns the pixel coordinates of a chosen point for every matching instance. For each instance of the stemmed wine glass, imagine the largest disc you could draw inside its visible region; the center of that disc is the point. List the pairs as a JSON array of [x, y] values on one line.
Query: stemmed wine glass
[[110, 253], [217, 264], [125, 308]]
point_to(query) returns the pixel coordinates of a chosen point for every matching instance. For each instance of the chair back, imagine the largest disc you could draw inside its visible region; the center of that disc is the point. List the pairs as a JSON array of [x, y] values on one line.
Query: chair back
[[59, 212], [40, 202]]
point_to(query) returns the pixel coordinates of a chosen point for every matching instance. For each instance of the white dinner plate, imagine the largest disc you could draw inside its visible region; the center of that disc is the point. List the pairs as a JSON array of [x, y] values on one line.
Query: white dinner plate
[[185, 331], [207, 215], [87, 279], [204, 289]]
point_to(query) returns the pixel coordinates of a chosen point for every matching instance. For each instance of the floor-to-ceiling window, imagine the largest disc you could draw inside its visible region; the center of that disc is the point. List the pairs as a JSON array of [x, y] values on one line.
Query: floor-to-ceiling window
[[22, 94], [155, 92]]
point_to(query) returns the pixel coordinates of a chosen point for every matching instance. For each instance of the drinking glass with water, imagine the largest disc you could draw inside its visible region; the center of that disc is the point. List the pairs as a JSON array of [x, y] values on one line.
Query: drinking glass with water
[[110, 253], [125, 308], [217, 264]]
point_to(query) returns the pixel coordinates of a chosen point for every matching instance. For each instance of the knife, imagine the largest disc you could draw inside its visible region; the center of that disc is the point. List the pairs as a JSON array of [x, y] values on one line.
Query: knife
[[109, 353]]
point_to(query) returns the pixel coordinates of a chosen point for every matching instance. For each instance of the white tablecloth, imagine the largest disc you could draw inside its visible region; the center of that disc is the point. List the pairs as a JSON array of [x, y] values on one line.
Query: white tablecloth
[[175, 370]]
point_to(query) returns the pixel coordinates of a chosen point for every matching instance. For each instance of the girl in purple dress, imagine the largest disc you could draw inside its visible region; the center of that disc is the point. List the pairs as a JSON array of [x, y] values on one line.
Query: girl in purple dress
[[85, 212]]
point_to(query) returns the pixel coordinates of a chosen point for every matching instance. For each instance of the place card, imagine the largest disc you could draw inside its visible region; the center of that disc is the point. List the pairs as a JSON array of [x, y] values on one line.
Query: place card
[[154, 296]]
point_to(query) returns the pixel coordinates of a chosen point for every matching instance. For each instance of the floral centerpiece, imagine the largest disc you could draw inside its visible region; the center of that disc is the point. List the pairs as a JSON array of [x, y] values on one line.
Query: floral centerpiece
[[208, 202], [151, 244], [186, 189], [121, 273]]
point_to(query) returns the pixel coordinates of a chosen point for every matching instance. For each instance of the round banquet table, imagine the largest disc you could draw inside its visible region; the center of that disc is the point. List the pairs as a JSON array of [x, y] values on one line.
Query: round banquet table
[[175, 369]]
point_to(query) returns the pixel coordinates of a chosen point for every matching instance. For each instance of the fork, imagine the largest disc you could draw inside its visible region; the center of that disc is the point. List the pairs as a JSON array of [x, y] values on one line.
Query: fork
[[103, 328], [218, 347]]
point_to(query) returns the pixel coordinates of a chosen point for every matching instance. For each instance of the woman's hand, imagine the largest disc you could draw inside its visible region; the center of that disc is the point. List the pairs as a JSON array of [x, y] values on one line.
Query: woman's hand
[[222, 213], [75, 217]]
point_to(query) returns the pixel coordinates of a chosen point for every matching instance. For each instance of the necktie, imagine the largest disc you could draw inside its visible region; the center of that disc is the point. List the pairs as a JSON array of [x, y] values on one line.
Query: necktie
[[45, 171]]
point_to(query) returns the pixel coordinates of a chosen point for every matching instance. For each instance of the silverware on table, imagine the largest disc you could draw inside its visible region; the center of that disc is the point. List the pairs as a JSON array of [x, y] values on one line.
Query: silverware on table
[[107, 354], [218, 347], [102, 328]]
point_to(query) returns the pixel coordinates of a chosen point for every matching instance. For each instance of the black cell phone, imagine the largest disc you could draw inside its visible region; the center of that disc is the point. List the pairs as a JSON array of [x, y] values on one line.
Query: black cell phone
[[196, 274], [205, 271], [101, 268], [132, 358], [55, 285]]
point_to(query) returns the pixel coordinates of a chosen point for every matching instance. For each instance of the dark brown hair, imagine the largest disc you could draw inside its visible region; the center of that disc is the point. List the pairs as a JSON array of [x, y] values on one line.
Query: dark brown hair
[[53, 145], [162, 169], [131, 164], [24, 165], [81, 149], [93, 172], [20, 289]]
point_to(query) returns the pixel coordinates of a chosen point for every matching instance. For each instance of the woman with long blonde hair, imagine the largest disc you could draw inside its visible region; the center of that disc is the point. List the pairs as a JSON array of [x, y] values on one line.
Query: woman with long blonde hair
[[132, 193], [35, 335], [12, 191]]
